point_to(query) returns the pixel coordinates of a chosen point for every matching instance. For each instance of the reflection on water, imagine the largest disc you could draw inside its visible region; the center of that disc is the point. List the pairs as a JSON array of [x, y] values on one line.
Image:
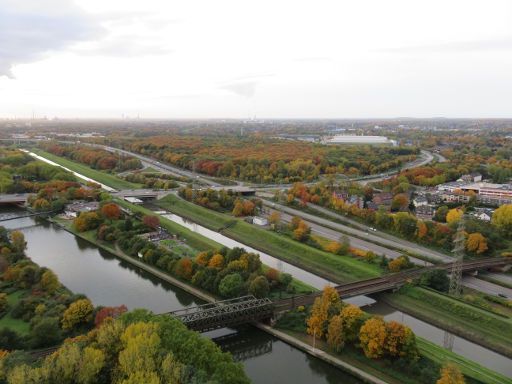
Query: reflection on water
[[106, 280], [463, 347]]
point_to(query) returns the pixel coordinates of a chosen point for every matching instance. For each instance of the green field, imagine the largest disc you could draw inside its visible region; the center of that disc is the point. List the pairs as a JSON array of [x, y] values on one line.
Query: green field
[[18, 325], [102, 177], [334, 267], [195, 240], [478, 325], [468, 367]]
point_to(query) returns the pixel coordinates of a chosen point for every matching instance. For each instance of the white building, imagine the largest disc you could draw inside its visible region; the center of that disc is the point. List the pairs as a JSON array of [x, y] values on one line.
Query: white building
[[259, 220]]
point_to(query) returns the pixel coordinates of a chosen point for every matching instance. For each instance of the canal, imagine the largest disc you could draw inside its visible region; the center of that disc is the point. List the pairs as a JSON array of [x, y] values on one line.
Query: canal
[[106, 280]]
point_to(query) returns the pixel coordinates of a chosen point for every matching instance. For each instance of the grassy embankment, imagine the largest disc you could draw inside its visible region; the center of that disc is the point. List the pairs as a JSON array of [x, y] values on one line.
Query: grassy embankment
[[18, 325], [295, 326], [483, 327], [334, 267], [102, 177]]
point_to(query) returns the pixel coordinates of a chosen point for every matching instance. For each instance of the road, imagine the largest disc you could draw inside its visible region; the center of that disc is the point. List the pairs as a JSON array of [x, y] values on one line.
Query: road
[[334, 235], [366, 233], [165, 168], [486, 287]]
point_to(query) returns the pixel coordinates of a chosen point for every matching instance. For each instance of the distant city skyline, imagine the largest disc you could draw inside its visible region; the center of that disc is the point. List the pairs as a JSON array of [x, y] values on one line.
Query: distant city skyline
[[235, 59]]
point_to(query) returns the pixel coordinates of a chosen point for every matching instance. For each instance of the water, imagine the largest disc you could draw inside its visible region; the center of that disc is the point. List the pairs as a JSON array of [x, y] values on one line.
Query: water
[[106, 280], [463, 347], [307, 277]]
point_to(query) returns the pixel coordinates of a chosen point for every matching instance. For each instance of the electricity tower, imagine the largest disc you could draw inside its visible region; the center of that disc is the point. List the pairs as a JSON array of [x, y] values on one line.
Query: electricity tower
[[459, 245]]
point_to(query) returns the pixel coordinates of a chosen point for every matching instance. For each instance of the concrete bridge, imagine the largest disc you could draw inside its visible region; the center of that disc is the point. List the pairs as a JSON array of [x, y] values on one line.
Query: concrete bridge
[[143, 194], [18, 198], [249, 309]]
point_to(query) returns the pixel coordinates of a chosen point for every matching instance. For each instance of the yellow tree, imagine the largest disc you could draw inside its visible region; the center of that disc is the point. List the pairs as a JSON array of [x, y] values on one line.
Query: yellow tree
[[477, 243], [450, 374], [77, 313], [400, 341], [18, 241], [274, 218], [324, 307], [352, 317], [502, 218], [217, 261], [335, 335], [141, 349], [202, 258], [453, 215], [49, 282], [422, 230], [372, 337]]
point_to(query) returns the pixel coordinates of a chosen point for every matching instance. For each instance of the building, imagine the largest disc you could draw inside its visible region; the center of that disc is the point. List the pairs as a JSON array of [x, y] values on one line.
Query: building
[[259, 220], [450, 197], [383, 198], [419, 201], [425, 212], [74, 209], [471, 178], [484, 214]]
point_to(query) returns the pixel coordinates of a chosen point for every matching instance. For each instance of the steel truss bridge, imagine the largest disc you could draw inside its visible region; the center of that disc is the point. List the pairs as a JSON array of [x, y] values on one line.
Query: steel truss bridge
[[249, 309], [225, 313]]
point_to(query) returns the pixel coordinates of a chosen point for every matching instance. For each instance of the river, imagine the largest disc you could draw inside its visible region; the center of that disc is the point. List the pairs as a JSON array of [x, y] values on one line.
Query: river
[[106, 280]]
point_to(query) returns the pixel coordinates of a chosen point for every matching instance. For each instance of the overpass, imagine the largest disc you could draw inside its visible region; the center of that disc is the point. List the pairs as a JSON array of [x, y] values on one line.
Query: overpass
[[249, 309], [142, 193], [18, 198]]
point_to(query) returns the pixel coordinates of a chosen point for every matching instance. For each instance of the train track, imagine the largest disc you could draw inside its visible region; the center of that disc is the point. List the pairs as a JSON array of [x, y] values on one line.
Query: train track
[[385, 283]]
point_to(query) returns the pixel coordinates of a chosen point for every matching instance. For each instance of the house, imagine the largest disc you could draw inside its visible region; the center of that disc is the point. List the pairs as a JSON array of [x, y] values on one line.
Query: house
[[425, 212], [476, 177], [259, 221], [484, 214], [74, 209], [419, 201], [356, 200], [383, 198], [450, 197]]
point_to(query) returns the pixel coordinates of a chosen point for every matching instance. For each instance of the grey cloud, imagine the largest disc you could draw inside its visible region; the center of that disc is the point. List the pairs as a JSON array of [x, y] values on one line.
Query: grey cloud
[[29, 29], [242, 88], [497, 44]]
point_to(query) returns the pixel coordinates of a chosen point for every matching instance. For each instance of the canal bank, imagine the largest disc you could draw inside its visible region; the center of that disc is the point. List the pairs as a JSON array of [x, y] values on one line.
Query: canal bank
[[462, 347], [108, 280]]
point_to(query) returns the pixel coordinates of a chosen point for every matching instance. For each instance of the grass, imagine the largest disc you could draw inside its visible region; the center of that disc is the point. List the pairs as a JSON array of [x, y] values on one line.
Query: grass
[[18, 325], [468, 367], [176, 246], [194, 240], [334, 267], [475, 324], [102, 177]]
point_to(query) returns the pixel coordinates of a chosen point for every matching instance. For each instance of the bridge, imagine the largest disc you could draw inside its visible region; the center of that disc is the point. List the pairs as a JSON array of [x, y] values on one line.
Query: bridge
[[18, 198], [225, 313], [248, 309], [26, 215], [141, 193]]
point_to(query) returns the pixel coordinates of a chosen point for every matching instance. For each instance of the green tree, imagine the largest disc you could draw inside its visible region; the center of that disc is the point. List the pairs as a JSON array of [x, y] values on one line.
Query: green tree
[[49, 282], [259, 287], [231, 285], [45, 333]]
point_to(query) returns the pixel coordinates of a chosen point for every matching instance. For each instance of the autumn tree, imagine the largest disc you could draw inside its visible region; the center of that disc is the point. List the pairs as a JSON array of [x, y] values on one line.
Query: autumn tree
[[400, 341], [111, 211], [238, 209], [184, 268], [323, 309], [398, 264], [301, 233], [454, 215], [18, 241], [502, 218], [372, 337], [49, 282], [202, 258], [108, 312], [151, 221], [352, 317], [477, 243], [274, 218], [78, 312], [217, 261], [450, 374], [335, 334], [422, 229]]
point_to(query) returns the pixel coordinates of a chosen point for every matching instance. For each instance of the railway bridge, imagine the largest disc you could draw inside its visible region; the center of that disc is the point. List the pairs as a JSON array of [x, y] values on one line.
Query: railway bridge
[[249, 309]]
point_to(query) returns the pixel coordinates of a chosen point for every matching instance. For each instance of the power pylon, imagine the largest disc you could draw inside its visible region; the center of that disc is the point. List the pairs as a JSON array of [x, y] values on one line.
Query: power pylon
[[459, 245]]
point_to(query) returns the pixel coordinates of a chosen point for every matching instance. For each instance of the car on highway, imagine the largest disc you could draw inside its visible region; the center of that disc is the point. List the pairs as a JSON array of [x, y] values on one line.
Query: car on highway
[[502, 295]]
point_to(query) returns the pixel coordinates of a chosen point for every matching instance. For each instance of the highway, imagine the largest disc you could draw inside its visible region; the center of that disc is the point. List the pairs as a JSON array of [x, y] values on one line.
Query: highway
[[486, 287], [365, 233]]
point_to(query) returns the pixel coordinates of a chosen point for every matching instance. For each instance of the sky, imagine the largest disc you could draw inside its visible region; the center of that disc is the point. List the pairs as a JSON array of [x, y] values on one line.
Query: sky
[[263, 59]]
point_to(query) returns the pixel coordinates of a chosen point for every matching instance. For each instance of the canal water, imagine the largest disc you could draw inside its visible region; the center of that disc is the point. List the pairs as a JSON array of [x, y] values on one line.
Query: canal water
[[106, 280]]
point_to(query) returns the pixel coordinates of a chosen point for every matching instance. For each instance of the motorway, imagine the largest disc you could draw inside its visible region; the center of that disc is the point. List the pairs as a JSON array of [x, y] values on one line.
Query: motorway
[[366, 233], [486, 287]]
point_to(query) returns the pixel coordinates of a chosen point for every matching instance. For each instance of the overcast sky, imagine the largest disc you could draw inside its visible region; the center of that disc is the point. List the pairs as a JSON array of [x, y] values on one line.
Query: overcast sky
[[279, 58]]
